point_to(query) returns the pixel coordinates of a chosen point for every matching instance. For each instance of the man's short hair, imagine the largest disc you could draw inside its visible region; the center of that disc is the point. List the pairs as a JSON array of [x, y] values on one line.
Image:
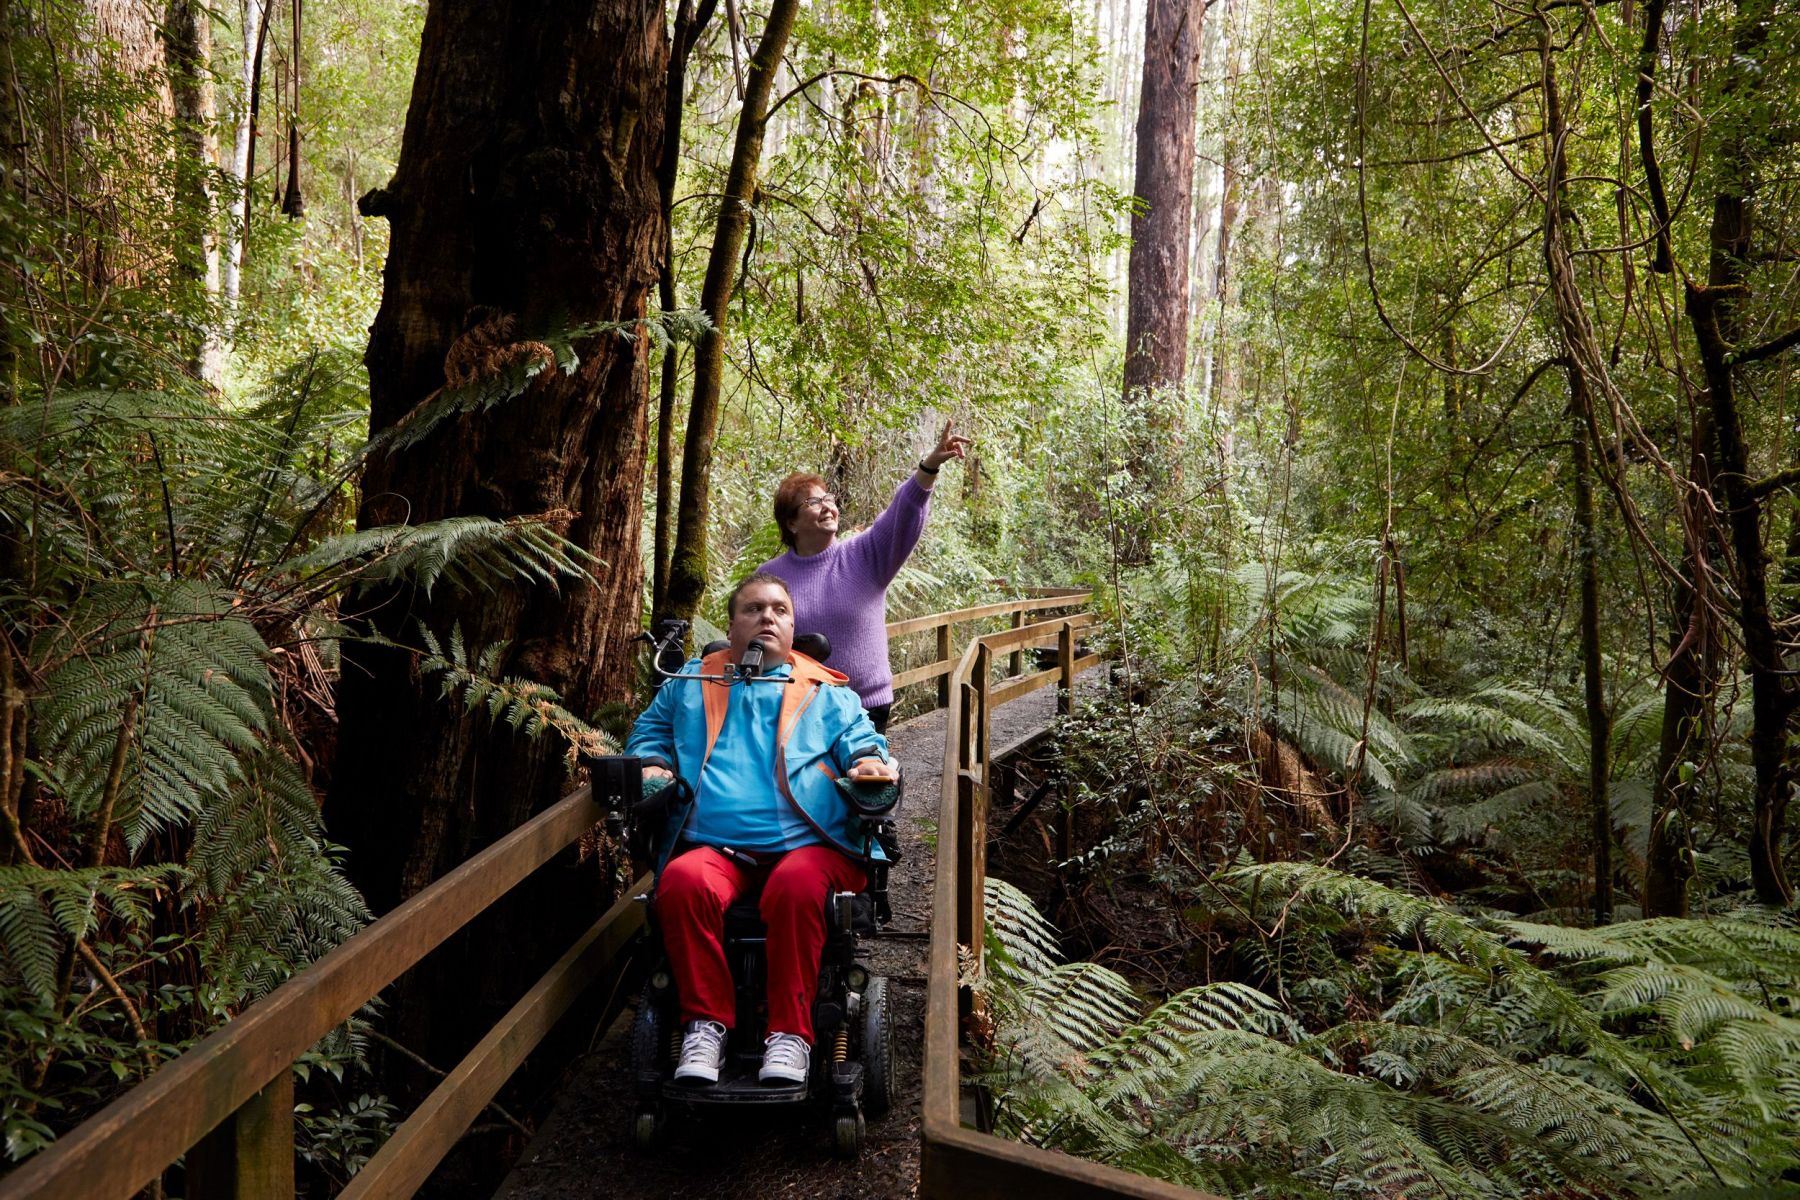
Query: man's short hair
[[752, 578], [790, 495]]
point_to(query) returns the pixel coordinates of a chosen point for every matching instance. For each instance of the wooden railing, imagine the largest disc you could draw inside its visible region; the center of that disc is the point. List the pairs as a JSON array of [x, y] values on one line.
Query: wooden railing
[[940, 668], [228, 1102], [957, 1161]]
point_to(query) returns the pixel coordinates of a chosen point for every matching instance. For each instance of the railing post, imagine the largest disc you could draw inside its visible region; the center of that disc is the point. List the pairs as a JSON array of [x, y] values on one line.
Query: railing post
[[1017, 666], [970, 841], [984, 667], [943, 657], [1065, 661], [965, 737], [250, 1155], [971, 876]]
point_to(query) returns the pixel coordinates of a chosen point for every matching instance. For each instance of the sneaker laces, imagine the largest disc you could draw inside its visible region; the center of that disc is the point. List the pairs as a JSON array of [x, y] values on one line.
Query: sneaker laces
[[786, 1052], [704, 1044]]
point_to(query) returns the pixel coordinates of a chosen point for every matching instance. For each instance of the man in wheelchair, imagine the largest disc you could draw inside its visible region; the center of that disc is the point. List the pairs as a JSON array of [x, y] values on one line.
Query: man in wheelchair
[[754, 759]]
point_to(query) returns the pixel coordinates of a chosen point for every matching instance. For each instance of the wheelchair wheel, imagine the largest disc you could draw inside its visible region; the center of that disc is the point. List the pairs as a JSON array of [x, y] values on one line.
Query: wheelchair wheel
[[649, 1037], [847, 1135], [877, 1048], [646, 1129]]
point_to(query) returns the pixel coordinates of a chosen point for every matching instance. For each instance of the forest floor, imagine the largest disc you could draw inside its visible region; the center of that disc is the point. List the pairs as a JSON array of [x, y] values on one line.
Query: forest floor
[[583, 1149]]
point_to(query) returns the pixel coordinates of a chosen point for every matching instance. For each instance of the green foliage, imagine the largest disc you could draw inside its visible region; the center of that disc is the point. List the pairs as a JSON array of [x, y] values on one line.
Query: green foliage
[[1491, 1071], [42, 911], [523, 705], [182, 558]]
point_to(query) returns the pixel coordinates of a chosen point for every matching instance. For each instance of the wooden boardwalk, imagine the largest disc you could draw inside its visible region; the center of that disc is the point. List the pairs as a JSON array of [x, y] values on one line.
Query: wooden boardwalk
[[584, 1150]]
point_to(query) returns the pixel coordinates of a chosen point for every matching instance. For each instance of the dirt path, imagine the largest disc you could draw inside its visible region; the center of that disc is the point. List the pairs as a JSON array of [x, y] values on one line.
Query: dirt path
[[584, 1148]]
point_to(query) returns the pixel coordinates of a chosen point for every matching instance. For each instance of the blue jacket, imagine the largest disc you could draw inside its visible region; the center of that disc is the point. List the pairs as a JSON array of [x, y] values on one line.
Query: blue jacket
[[822, 730]]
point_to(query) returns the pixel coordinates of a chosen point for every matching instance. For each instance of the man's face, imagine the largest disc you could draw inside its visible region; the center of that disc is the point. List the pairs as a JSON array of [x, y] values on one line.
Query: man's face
[[763, 612]]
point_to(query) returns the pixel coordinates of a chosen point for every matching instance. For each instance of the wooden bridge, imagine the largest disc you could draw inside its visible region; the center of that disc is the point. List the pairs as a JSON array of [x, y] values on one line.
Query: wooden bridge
[[227, 1104]]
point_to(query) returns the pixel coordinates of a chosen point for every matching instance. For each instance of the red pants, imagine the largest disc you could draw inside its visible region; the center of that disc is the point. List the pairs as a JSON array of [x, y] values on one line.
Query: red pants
[[691, 898]]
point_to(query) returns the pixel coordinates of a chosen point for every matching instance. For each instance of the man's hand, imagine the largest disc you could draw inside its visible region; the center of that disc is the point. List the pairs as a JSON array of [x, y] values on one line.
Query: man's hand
[[873, 769], [655, 772]]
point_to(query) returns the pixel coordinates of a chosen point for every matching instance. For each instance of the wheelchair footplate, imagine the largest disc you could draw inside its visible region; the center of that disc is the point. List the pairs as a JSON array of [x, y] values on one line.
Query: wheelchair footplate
[[738, 1084]]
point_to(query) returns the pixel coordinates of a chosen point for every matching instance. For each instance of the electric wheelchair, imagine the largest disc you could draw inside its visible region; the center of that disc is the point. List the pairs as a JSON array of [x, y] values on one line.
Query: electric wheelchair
[[853, 1061]]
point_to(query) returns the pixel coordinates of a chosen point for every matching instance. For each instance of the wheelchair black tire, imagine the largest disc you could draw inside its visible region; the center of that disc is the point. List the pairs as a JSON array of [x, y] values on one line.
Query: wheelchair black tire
[[847, 1135], [646, 1129], [877, 1045], [649, 1035]]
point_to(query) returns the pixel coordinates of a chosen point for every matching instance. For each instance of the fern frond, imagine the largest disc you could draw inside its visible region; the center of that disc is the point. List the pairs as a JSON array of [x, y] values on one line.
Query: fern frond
[[467, 552], [42, 908]]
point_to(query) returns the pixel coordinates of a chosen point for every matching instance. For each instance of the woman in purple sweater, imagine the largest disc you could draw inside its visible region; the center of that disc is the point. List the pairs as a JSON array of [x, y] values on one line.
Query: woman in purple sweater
[[839, 589]]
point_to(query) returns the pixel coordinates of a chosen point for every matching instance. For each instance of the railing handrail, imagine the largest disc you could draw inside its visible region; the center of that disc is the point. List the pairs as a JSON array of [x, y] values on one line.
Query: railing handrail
[[979, 611], [131, 1141], [956, 1161]]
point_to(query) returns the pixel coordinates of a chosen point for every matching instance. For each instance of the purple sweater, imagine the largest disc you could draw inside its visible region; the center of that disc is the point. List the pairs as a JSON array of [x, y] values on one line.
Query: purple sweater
[[841, 591]]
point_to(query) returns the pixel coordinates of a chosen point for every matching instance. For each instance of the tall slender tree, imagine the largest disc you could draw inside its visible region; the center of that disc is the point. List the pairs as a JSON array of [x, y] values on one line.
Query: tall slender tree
[[1156, 329], [187, 37], [687, 564]]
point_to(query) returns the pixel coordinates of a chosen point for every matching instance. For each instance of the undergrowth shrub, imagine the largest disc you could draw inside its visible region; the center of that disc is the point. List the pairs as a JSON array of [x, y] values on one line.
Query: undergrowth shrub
[[1387, 1044]]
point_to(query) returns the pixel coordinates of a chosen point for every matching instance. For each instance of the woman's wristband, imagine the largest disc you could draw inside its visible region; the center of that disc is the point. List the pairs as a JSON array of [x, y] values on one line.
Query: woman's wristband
[[926, 469]]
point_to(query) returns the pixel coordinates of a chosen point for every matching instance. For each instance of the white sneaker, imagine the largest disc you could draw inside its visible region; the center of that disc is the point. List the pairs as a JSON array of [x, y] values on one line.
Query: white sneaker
[[702, 1050], [786, 1057]]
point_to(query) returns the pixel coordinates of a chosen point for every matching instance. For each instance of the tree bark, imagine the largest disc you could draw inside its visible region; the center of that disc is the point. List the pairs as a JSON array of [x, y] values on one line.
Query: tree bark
[[687, 564], [1712, 310], [689, 25], [187, 38], [253, 26], [293, 202], [1156, 327], [1687, 689], [525, 193], [1580, 355]]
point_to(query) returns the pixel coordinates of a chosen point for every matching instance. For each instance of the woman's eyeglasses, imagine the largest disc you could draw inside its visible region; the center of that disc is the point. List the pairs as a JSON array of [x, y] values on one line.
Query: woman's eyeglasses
[[815, 501]]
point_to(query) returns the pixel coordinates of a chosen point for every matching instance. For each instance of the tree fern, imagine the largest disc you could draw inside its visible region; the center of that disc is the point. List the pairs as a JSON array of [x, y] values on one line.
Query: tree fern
[[43, 909], [173, 537], [1509, 1058]]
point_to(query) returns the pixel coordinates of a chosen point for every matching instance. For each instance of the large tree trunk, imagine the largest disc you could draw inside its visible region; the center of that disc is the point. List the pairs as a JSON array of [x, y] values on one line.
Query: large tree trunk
[[687, 563], [526, 189], [1156, 328], [1738, 154]]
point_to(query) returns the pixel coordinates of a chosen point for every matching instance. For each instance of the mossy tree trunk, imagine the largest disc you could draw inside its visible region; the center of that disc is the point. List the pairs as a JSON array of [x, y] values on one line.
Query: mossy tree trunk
[[688, 564]]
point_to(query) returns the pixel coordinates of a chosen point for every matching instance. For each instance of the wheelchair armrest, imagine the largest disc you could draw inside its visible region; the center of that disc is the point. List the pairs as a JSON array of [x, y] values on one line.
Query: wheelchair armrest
[[871, 797], [650, 815]]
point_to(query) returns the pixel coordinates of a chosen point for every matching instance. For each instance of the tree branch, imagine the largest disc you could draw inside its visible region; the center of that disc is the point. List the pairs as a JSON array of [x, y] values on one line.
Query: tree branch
[[1773, 483], [1768, 349], [827, 74]]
